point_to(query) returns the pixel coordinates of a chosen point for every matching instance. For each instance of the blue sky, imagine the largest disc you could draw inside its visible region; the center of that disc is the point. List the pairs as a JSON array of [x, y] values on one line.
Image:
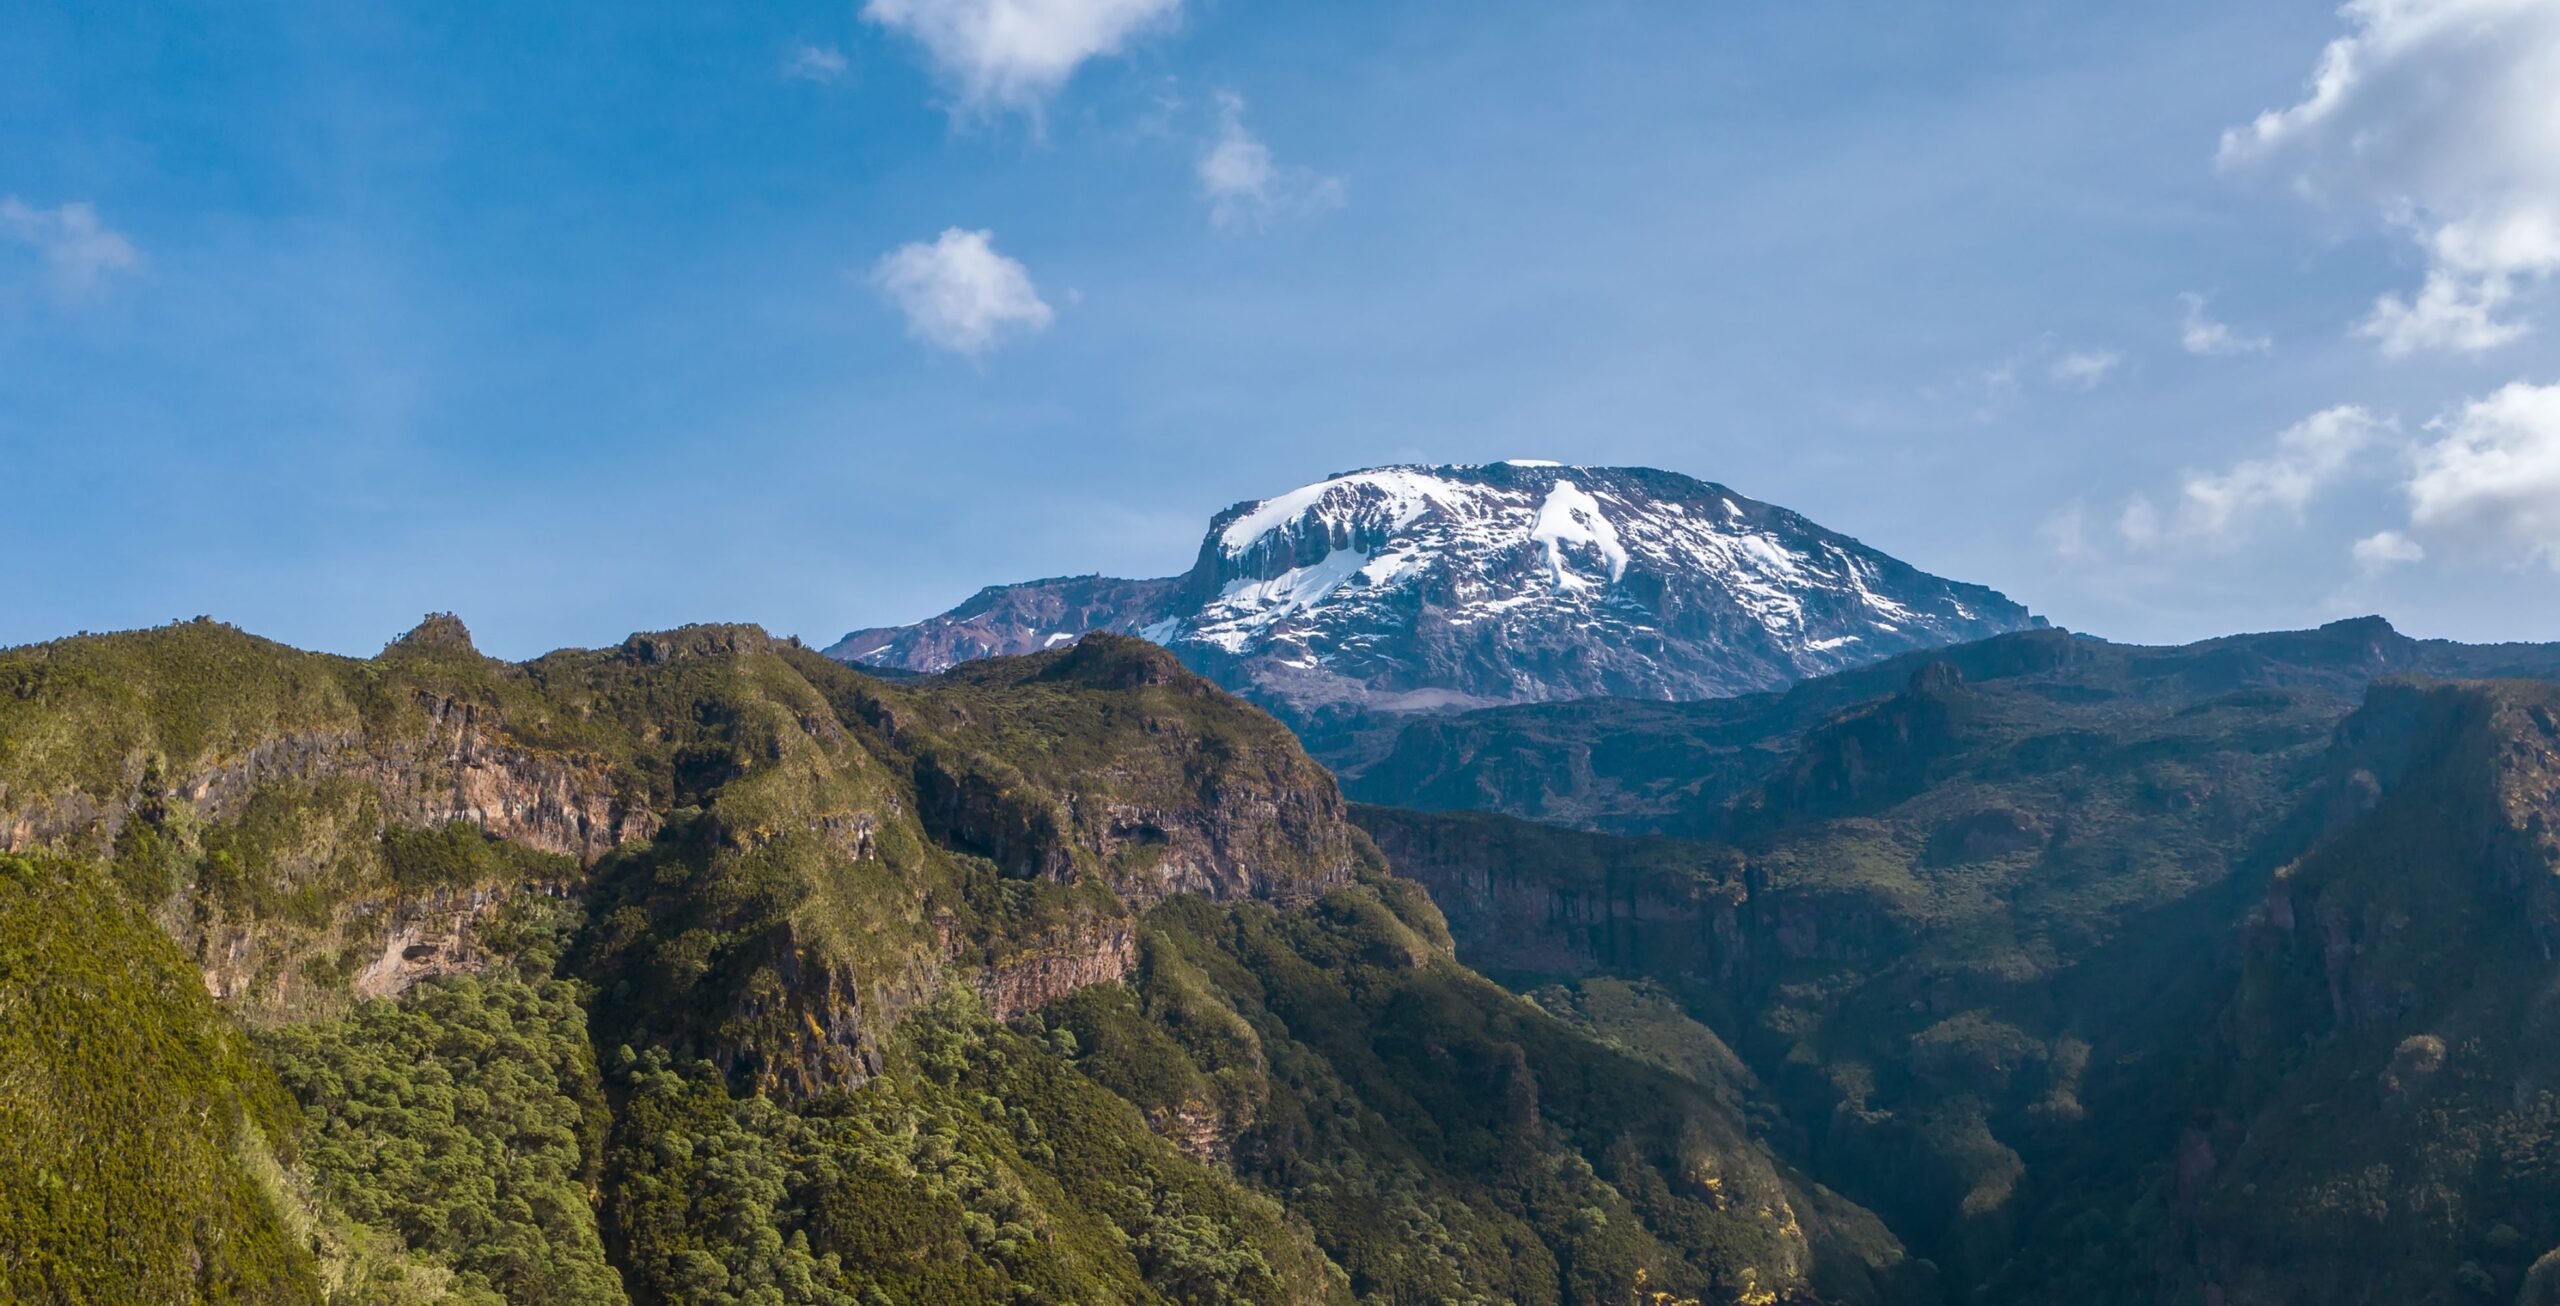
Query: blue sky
[[317, 316]]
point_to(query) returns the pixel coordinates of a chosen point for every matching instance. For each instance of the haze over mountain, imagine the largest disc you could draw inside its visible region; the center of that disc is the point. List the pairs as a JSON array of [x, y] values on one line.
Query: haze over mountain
[[1403, 588]]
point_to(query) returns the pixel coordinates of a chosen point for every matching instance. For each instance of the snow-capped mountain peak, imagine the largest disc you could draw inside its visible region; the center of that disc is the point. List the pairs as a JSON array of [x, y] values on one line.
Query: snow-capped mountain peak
[[1520, 580], [1391, 497]]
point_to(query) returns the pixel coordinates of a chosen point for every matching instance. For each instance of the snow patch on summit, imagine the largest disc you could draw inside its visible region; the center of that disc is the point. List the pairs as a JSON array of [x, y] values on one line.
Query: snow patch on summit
[[1405, 493], [1243, 608], [1570, 516]]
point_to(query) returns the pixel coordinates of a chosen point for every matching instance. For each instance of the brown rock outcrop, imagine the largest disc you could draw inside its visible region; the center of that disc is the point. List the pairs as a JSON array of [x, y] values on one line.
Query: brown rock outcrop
[[458, 769], [1059, 965]]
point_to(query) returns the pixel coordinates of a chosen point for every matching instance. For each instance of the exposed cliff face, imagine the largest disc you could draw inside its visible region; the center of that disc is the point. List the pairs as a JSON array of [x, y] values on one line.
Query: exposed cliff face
[[434, 935], [860, 813], [1247, 840], [1418, 588], [1055, 966], [1224, 847], [445, 763], [807, 1022], [1204, 1133], [561, 803], [1537, 901], [294, 818], [392, 943]]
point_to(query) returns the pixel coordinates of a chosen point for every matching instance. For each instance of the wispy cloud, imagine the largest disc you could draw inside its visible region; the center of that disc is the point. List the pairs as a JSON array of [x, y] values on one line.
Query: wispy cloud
[[2085, 369], [81, 251], [2440, 116], [2044, 363], [2066, 531], [814, 63], [2199, 333], [2214, 508], [960, 294], [1246, 188], [1015, 54]]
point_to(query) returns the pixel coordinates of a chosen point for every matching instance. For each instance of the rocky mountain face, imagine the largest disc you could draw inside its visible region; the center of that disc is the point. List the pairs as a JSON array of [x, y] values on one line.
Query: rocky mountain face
[[708, 969], [1408, 588], [349, 786], [2104, 974], [1011, 620], [2384, 1129]]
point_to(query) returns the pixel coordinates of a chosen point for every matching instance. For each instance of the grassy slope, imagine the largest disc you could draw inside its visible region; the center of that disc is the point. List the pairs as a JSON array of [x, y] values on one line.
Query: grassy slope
[[138, 1118]]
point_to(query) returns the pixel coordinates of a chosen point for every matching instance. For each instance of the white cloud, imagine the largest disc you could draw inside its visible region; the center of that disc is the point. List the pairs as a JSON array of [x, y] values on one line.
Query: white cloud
[[1246, 189], [2488, 486], [2215, 507], [2067, 532], [81, 251], [2200, 334], [2440, 115], [960, 294], [1016, 53], [2385, 549], [813, 63], [2450, 312], [2085, 368]]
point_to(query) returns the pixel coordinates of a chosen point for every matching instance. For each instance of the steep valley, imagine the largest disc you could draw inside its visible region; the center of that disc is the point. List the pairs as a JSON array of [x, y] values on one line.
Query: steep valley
[[2025, 952], [705, 968]]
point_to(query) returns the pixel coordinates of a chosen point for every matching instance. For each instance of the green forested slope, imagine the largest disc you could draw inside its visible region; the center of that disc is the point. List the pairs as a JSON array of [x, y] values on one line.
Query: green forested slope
[[139, 1123], [2185, 975], [703, 969]]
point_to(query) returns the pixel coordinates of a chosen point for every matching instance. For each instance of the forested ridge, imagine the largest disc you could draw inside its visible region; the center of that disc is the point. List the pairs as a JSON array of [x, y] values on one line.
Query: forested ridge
[[705, 969]]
